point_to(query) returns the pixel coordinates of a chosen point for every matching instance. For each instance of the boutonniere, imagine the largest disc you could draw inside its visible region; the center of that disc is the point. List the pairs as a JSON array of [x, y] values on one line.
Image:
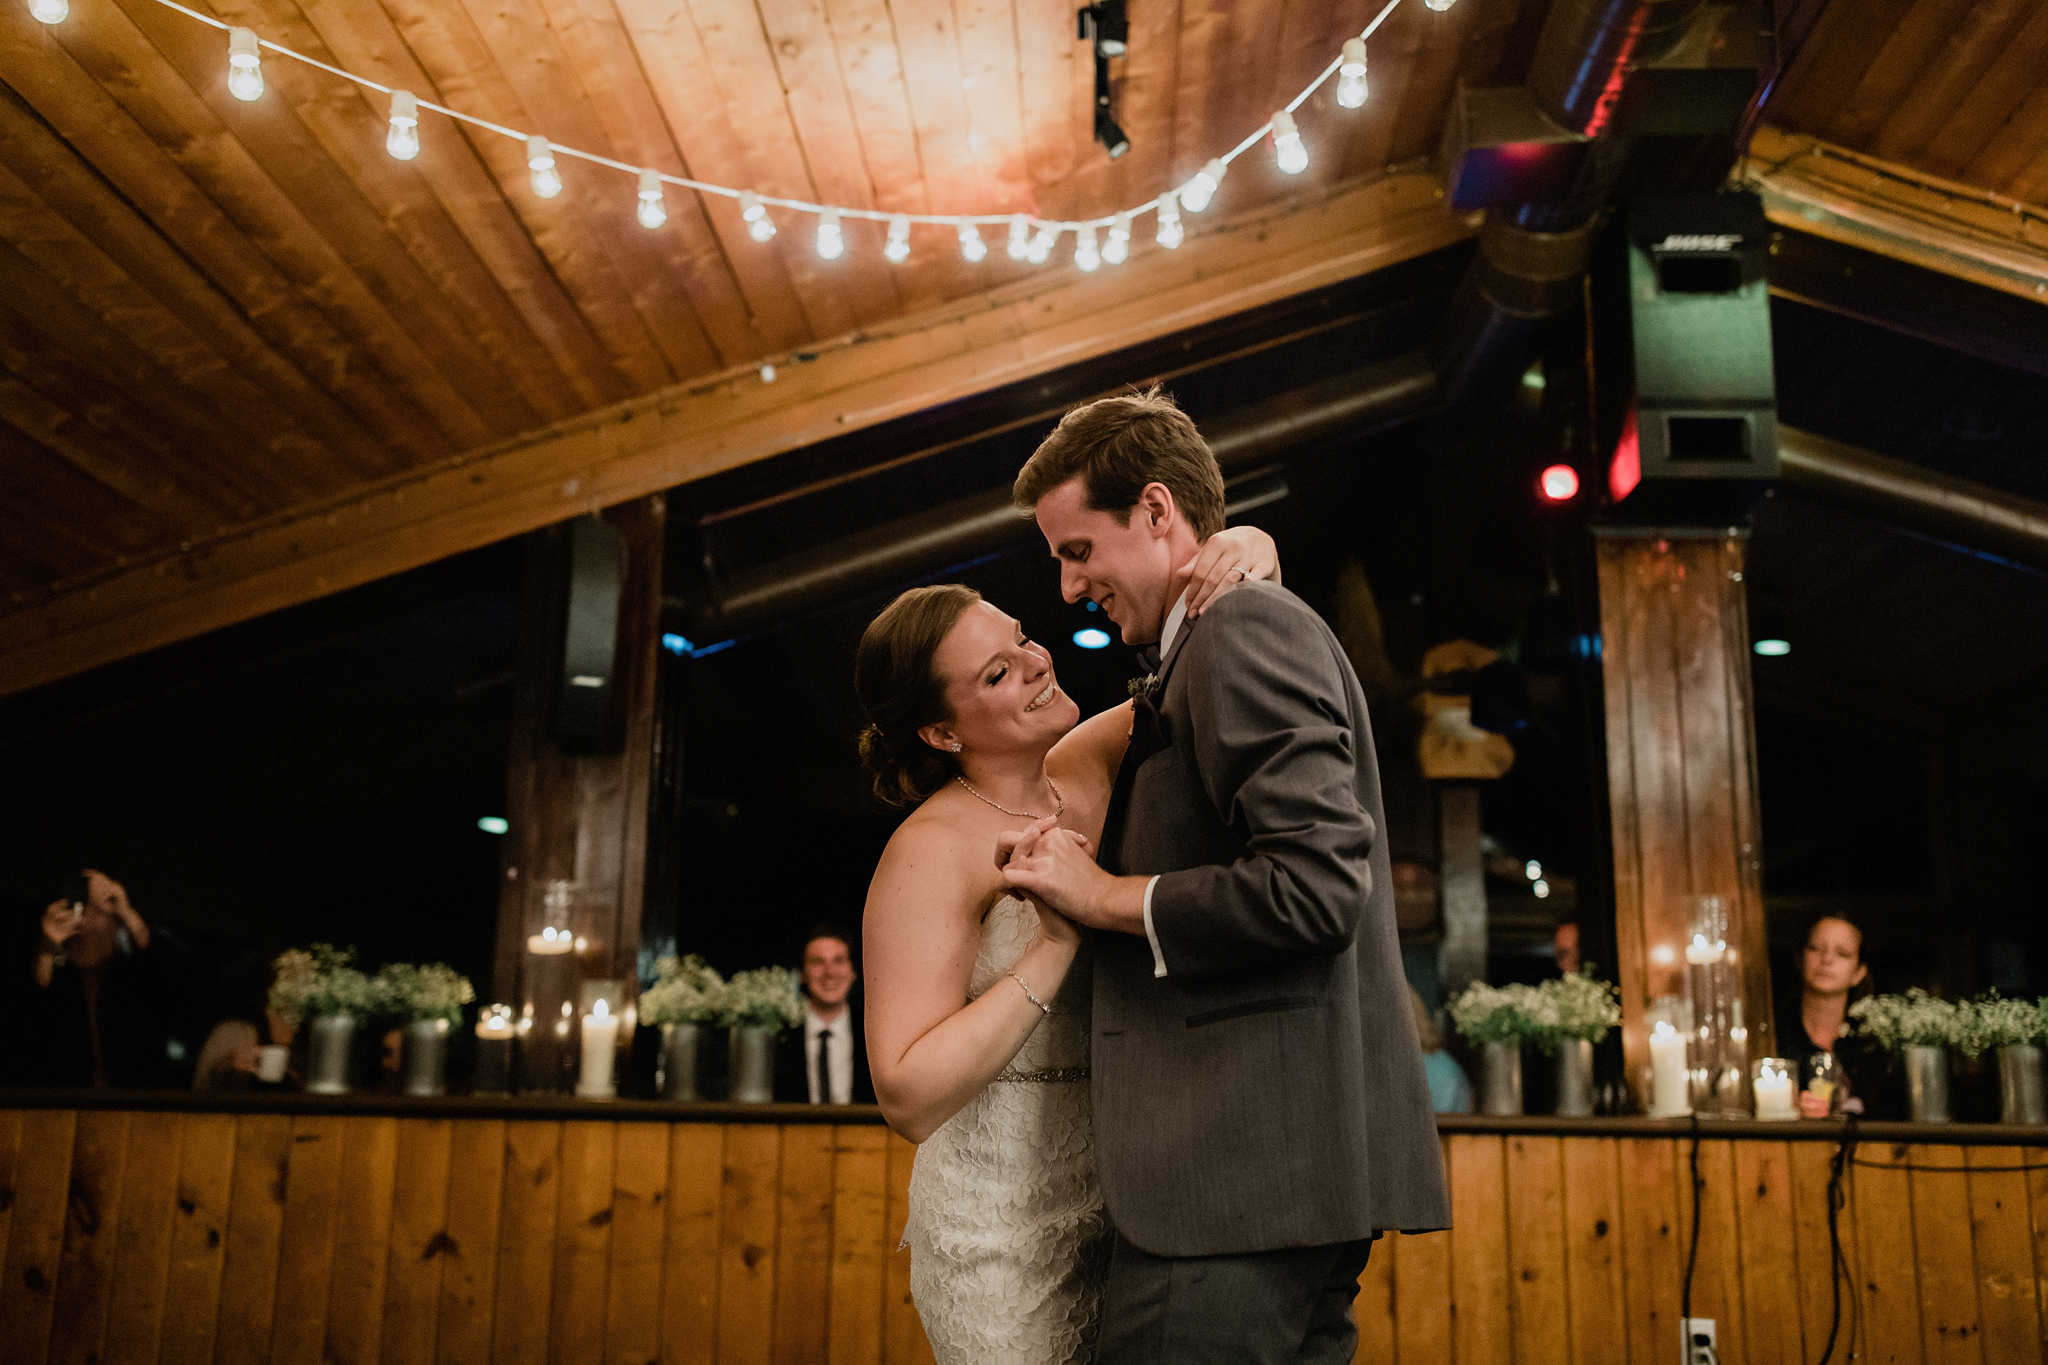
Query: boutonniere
[[1139, 685]]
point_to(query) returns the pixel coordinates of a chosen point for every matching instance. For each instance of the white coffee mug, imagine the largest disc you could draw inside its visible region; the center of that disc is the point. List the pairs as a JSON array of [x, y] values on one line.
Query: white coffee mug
[[270, 1062]]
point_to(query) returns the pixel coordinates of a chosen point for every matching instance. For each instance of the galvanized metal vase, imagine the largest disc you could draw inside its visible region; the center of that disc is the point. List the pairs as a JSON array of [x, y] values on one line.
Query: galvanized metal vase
[[681, 1045], [329, 1039], [1575, 1079], [2019, 1084], [1500, 1079], [753, 1064], [1927, 1083], [424, 1054]]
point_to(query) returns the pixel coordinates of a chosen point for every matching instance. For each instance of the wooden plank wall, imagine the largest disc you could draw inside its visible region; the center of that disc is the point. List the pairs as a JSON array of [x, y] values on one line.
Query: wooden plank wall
[[133, 1237]]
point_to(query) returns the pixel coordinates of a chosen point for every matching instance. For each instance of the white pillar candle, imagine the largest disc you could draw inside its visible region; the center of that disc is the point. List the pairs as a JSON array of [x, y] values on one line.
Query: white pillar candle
[[1774, 1094], [1670, 1088], [600, 1040]]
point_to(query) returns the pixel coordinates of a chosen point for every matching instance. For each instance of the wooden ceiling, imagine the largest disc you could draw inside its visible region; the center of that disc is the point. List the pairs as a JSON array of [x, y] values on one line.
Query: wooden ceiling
[[213, 313]]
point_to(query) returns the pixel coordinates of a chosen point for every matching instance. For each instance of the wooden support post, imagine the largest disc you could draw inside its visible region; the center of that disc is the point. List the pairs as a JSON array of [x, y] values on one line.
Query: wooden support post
[[1681, 763], [579, 818], [1462, 959]]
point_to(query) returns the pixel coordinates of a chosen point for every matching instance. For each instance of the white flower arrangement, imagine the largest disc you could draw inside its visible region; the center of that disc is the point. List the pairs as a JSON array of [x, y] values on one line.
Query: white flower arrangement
[[766, 997], [414, 993], [1915, 1019], [318, 983], [1502, 1014], [1579, 1008], [1992, 1021], [685, 991]]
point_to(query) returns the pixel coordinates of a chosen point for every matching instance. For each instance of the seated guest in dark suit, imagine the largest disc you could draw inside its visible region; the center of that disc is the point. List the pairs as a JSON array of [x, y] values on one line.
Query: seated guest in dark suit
[[826, 1062]]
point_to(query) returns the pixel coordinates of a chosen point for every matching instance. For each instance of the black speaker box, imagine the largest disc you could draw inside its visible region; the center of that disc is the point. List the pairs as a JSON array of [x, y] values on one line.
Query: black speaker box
[[1699, 327], [594, 571]]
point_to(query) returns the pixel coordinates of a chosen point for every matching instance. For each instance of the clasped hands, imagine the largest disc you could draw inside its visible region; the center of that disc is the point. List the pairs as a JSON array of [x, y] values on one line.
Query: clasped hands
[[1056, 869]]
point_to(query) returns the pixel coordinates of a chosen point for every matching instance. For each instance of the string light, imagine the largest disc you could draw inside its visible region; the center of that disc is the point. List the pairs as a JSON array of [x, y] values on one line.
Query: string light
[[1087, 255], [245, 81], [1118, 249], [1170, 233], [755, 215], [245, 65], [540, 159], [1196, 194], [1287, 148], [1351, 87], [1439, 5], [403, 141], [50, 11], [652, 214]]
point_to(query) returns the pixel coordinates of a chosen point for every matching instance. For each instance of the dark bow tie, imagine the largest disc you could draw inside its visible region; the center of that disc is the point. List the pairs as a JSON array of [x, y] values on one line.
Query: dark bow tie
[[1148, 658]]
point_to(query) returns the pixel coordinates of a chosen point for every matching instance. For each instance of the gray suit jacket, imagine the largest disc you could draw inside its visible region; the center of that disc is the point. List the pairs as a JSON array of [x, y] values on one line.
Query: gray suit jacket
[[1268, 1092]]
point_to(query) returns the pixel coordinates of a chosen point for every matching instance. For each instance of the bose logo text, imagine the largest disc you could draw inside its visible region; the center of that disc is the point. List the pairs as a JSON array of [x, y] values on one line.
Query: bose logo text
[[1699, 242]]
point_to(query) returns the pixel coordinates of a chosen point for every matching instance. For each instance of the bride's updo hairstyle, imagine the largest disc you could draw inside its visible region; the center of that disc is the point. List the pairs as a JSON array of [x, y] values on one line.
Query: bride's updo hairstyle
[[900, 692]]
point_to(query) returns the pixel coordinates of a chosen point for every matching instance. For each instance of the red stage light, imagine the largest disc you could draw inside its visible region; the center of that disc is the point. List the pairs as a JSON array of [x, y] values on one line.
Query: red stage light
[[1560, 483], [1625, 470]]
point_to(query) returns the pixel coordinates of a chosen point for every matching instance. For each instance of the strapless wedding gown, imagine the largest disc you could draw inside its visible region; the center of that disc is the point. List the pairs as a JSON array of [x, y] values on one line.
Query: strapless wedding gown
[[1009, 1244]]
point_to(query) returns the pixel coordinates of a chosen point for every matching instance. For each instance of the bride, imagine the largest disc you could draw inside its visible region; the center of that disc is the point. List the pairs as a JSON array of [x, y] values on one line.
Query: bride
[[978, 1002]]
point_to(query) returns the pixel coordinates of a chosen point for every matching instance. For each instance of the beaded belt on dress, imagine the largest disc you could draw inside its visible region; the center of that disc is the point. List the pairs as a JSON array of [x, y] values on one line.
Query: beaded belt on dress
[[1048, 1077]]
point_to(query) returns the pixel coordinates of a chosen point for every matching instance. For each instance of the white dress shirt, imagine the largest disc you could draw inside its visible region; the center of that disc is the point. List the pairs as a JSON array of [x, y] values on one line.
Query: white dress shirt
[[1174, 621], [841, 1061]]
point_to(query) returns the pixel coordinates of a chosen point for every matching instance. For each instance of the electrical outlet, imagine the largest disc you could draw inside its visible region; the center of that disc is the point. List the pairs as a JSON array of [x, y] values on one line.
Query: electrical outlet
[[1696, 1342]]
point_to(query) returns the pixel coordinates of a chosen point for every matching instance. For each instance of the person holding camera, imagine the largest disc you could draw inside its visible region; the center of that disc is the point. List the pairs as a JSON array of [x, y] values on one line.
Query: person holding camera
[[87, 966]]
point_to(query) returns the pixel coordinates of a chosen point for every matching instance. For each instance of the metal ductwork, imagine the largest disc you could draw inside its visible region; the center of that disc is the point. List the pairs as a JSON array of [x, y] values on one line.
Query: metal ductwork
[[972, 528], [1915, 499]]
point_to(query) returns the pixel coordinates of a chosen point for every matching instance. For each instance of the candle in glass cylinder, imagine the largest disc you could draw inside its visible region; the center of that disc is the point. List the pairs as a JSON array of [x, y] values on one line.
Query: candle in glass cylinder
[[494, 1051], [600, 1043], [1670, 1086], [1773, 1086]]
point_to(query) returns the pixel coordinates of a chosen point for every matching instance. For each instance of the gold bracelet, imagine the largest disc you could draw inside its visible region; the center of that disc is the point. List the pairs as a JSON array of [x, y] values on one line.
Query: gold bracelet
[[1042, 1006]]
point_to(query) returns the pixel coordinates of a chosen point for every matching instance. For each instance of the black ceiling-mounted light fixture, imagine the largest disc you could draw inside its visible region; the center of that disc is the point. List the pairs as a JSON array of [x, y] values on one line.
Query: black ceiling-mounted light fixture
[[1107, 28]]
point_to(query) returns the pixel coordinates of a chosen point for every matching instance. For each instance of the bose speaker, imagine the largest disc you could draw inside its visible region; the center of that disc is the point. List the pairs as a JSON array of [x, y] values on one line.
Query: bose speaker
[[594, 570], [1706, 429]]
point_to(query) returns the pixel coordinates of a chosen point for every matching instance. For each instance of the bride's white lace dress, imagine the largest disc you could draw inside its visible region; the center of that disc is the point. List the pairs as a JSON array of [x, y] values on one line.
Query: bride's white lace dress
[[1009, 1244]]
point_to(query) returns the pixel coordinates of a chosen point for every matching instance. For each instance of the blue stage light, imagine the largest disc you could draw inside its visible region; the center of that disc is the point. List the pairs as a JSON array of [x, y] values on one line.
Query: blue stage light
[[1092, 638], [676, 644], [493, 824], [1773, 649]]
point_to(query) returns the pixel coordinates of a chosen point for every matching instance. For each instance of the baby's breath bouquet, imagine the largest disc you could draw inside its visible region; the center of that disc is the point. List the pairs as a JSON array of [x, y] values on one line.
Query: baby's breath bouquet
[[1992, 1021], [410, 993], [318, 982], [686, 990], [1579, 1007], [766, 997], [1915, 1019], [1503, 1014]]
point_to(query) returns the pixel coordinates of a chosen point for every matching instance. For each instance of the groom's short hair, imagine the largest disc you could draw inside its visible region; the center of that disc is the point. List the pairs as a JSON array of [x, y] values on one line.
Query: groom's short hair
[[1116, 446]]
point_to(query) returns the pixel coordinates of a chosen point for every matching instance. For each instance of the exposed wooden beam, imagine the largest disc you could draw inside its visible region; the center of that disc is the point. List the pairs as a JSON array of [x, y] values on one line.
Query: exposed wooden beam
[[1897, 211], [689, 431]]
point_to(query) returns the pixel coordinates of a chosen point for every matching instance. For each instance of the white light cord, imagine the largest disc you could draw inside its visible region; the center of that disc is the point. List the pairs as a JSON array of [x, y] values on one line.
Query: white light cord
[[956, 221]]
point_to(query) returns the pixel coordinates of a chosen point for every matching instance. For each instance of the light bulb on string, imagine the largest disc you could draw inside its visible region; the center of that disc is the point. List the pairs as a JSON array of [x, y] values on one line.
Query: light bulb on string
[[1287, 148], [1196, 194], [1042, 244], [1087, 255], [245, 65], [1439, 5], [540, 160], [1117, 249], [1020, 237], [831, 241], [755, 215], [1351, 88], [50, 11], [652, 214], [1170, 232], [898, 248], [971, 245], [403, 141]]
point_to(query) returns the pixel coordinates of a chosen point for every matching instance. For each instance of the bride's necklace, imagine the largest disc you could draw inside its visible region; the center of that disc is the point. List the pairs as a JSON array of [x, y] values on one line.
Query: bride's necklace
[[1060, 808]]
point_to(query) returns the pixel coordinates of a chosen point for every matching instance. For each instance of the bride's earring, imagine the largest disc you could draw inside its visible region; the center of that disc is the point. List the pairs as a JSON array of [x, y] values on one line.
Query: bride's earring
[[956, 746]]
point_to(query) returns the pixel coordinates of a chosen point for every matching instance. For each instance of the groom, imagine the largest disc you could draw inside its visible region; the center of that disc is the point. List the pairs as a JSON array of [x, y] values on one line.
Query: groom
[[1261, 1112]]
